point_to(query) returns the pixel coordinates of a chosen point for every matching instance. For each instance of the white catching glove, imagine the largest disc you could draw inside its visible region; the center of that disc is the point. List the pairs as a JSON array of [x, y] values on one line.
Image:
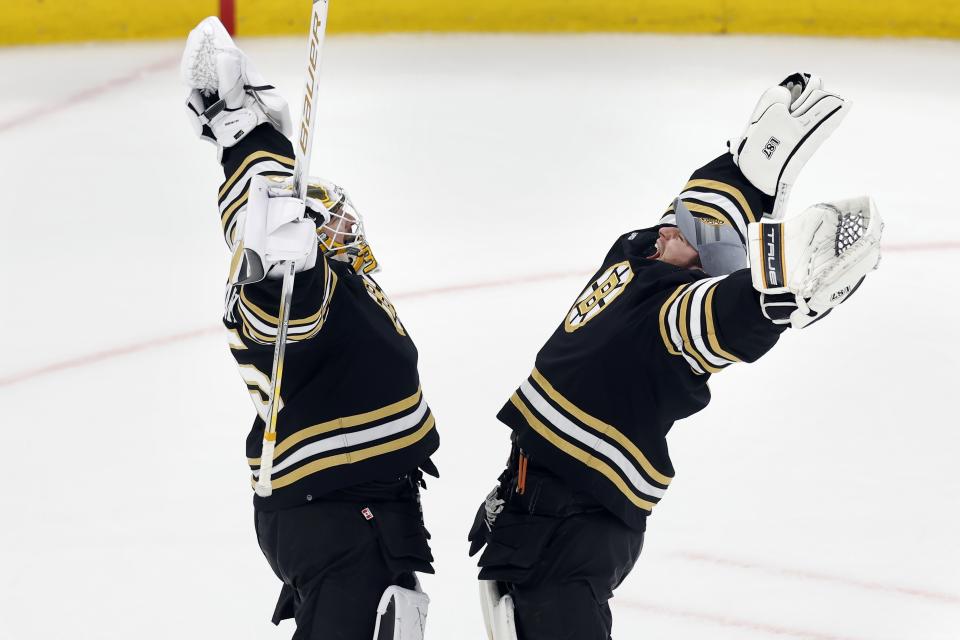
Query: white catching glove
[[788, 125], [275, 230], [228, 98], [805, 266]]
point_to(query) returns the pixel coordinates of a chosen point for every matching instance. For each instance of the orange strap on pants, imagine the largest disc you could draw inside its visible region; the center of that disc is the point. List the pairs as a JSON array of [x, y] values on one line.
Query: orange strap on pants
[[522, 475]]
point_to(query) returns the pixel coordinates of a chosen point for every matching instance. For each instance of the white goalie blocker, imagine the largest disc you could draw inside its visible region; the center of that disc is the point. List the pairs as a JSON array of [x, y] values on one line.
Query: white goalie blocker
[[819, 257], [402, 614], [787, 126], [275, 230], [497, 612]]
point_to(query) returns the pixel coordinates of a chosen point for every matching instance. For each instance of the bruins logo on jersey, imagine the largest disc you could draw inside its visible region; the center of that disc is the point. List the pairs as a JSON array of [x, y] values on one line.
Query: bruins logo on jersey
[[383, 302], [598, 295]]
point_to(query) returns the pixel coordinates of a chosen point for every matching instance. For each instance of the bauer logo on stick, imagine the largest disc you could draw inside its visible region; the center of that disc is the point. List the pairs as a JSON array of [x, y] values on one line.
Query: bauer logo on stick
[[307, 114]]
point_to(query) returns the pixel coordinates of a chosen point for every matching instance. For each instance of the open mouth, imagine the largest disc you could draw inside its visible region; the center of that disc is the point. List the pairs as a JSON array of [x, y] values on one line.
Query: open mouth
[[658, 251]]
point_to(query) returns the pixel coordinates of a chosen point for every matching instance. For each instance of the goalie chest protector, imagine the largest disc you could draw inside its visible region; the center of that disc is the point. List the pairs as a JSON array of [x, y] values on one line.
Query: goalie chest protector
[[605, 389]]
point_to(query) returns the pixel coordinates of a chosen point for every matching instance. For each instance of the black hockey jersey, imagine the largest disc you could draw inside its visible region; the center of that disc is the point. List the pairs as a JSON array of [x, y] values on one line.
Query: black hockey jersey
[[633, 355], [352, 409]]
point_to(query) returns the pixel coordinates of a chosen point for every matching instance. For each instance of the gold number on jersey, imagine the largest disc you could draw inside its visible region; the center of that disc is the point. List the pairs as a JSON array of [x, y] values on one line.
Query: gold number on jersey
[[365, 261], [598, 295], [258, 384], [383, 302]]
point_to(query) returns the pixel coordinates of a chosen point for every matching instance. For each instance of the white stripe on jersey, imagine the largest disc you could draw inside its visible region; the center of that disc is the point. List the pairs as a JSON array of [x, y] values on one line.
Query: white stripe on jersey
[[345, 440], [590, 440], [696, 334]]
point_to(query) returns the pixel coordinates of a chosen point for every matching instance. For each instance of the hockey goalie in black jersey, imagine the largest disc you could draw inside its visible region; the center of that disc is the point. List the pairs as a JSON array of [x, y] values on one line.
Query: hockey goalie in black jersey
[[342, 528], [715, 283]]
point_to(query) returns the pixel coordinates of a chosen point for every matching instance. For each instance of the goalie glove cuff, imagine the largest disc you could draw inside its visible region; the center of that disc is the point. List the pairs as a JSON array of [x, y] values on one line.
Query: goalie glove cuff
[[778, 307]]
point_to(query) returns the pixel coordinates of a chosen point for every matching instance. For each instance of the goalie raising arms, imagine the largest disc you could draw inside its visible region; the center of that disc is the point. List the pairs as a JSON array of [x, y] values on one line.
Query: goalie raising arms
[[668, 307], [342, 528]]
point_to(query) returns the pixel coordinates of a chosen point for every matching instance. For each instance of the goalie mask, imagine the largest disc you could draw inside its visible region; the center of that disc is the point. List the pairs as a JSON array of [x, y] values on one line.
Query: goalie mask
[[340, 231], [722, 250]]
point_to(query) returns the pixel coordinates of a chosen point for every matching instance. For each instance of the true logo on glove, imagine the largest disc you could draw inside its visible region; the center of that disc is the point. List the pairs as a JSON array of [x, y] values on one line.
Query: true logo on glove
[[770, 147], [773, 240]]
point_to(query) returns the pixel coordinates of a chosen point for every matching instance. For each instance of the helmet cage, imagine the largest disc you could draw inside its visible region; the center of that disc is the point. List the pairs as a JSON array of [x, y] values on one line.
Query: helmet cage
[[340, 232]]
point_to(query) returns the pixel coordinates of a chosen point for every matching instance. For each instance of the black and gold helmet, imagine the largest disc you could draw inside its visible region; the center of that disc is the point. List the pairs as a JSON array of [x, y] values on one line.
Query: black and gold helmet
[[341, 231]]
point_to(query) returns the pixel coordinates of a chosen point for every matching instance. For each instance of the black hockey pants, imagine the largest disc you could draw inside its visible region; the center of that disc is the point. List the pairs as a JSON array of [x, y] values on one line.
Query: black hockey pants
[[557, 552], [337, 556]]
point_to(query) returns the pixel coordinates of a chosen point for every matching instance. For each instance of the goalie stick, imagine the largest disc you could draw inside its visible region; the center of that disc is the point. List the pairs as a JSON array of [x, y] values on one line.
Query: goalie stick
[[301, 173]]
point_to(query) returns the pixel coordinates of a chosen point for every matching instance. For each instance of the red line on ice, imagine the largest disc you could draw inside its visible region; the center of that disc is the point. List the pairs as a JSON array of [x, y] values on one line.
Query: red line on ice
[[726, 621], [491, 284], [107, 354], [100, 356], [84, 95], [110, 354], [944, 598]]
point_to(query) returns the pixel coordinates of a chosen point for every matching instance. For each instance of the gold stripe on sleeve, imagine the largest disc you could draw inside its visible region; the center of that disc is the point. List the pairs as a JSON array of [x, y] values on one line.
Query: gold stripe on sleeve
[[664, 332], [684, 322], [728, 189], [263, 338], [711, 329], [344, 423], [273, 320], [235, 262], [353, 456], [253, 157], [299, 322], [602, 427], [233, 207], [581, 455]]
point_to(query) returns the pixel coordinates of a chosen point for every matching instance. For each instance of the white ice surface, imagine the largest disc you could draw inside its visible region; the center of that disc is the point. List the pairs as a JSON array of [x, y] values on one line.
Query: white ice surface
[[816, 497]]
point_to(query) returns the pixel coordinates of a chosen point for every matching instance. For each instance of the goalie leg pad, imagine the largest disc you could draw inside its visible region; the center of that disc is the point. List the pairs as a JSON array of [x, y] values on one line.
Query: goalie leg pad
[[402, 614], [497, 610]]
